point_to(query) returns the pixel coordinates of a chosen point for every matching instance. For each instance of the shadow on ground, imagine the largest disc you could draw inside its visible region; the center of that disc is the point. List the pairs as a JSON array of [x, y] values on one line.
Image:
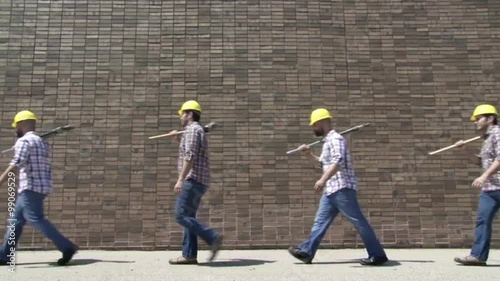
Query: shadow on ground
[[235, 263], [356, 261], [74, 262]]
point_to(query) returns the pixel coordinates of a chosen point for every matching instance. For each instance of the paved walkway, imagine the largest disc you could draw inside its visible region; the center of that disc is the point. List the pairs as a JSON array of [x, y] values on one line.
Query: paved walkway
[[259, 265]]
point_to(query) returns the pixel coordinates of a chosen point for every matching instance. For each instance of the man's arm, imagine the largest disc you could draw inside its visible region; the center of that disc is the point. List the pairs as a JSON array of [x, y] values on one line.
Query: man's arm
[[313, 157], [6, 174], [307, 151], [186, 167], [475, 158], [337, 152], [20, 158], [493, 169], [192, 145], [330, 172]]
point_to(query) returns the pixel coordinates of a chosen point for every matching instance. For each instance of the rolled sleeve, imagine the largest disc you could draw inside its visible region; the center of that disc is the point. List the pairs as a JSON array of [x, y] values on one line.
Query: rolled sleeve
[[21, 154], [192, 144], [337, 151]]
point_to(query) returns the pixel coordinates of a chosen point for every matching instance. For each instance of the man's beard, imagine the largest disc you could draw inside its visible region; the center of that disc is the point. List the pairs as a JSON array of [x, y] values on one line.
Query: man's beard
[[318, 133], [19, 134]]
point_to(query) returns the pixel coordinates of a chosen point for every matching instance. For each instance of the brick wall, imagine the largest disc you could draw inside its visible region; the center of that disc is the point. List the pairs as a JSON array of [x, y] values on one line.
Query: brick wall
[[119, 70]]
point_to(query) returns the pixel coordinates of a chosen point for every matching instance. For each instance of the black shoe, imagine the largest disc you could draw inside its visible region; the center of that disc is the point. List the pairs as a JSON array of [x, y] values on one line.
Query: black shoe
[[67, 256], [374, 261], [300, 255], [2, 262]]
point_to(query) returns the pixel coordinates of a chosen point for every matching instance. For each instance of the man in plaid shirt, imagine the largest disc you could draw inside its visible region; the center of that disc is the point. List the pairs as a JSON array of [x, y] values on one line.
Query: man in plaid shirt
[[339, 187], [194, 179], [32, 163], [485, 117]]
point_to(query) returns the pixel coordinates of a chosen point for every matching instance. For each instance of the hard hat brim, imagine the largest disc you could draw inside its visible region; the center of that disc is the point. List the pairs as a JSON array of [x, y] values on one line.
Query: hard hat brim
[[319, 119], [14, 124]]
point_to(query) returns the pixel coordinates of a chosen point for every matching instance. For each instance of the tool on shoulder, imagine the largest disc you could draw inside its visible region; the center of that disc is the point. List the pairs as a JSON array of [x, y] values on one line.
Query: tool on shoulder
[[207, 128], [48, 134], [356, 128]]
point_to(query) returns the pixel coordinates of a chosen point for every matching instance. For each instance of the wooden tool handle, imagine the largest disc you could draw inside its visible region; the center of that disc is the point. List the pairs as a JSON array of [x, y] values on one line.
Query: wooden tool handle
[[167, 135], [7, 150], [309, 145], [454, 145]]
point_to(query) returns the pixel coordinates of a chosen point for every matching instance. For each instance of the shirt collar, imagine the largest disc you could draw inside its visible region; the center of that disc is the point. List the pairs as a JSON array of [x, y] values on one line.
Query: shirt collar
[[192, 124], [493, 129], [331, 133]]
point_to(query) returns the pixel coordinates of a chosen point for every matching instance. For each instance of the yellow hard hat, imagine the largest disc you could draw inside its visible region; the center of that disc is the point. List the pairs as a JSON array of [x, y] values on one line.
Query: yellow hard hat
[[319, 114], [23, 115], [483, 109], [190, 105]]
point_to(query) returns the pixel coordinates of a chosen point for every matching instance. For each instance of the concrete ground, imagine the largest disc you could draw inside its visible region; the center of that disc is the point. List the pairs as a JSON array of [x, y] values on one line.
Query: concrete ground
[[261, 265]]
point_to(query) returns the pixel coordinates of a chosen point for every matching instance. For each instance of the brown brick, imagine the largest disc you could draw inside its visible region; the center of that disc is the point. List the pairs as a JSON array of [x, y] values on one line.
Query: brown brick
[[120, 71]]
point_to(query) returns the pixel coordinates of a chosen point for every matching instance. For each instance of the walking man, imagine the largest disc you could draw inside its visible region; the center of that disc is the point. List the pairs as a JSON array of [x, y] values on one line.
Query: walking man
[[485, 118], [32, 163], [339, 186], [193, 182]]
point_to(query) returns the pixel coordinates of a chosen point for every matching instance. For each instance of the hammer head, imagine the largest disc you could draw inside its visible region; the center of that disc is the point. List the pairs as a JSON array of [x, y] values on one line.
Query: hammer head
[[209, 127]]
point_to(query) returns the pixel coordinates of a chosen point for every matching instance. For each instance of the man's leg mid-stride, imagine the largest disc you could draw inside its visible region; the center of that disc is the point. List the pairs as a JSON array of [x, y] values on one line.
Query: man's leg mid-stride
[[34, 214], [324, 217], [15, 227], [187, 206], [489, 202], [347, 202]]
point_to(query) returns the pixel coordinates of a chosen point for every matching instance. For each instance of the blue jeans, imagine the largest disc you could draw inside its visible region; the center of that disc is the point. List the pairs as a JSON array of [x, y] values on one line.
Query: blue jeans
[[29, 208], [187, 206], [489, 202], [346, 202]]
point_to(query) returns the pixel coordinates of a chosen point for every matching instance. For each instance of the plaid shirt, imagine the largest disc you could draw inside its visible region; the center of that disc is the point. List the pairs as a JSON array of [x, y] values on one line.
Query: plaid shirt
[[32, 158], [335, 151], [194, 146], [490, 152]]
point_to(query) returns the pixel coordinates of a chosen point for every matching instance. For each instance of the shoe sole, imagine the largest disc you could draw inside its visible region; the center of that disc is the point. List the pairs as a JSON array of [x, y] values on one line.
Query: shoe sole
[[302, 259], [183, 263], [470, 263], [376, 263]]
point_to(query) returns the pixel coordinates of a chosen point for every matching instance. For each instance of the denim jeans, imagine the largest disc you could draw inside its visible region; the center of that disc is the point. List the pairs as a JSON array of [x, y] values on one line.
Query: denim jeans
[[187, 206], [489, 202], [29, 208], [344, 201]]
